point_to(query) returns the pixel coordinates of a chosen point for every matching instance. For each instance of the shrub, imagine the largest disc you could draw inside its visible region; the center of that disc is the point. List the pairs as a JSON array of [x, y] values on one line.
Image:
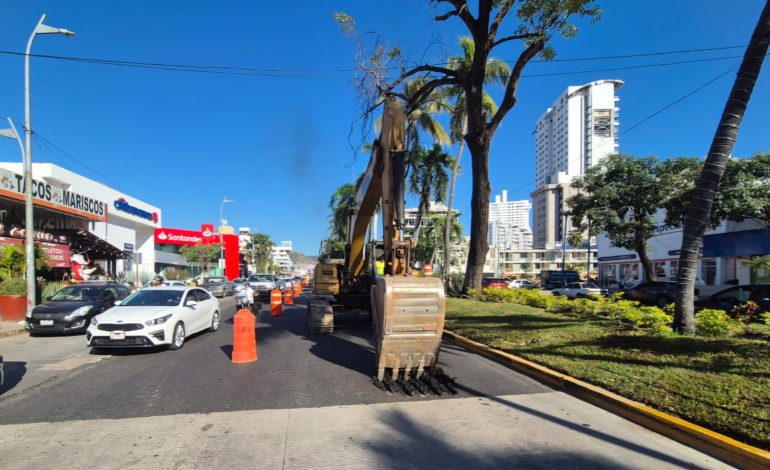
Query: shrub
[[648, 318], [766, 318], [51, 288], [669, 309], [712, 322], [617, 308], [559, 304], [473, 292], [13, 286], [497, 295], [585, 306], [534, 298], [747, 312]]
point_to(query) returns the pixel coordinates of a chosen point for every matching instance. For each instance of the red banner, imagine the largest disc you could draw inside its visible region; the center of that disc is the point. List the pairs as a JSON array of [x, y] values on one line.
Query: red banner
[[209, 234], [58, 254]]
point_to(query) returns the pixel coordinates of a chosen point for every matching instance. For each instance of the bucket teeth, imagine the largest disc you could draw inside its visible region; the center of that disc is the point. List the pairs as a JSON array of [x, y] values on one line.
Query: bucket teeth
[[410, 383]]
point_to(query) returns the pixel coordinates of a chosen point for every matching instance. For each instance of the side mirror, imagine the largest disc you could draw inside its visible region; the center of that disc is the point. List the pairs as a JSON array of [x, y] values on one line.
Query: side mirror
[[118, 302], [47, 297], [191, 303]]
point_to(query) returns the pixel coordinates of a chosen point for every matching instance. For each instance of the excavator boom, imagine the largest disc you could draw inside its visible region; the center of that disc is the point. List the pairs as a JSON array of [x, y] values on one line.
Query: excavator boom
[[407, 311]]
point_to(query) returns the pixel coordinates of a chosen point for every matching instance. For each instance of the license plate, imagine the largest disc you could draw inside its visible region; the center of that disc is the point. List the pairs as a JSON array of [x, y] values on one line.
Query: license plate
[[46, 322], [117, 335]]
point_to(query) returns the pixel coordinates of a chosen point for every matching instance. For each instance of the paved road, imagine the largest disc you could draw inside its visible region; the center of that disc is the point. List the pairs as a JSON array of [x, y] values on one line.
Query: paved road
[[308, 402]]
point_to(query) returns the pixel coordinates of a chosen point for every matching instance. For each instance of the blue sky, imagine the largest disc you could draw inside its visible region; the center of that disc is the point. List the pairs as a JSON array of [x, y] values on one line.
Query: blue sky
[[279, 146]]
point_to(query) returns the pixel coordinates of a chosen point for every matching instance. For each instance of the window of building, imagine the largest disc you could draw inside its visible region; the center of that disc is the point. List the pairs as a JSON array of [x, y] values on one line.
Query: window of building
[[660, 269], [603, 122], [708, 271]]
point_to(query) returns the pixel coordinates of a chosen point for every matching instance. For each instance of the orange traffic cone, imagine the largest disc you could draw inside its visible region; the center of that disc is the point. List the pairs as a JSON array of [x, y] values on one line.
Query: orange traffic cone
[[244, 337], [427, 270], [287, 297], [297, 289], [275, 303]]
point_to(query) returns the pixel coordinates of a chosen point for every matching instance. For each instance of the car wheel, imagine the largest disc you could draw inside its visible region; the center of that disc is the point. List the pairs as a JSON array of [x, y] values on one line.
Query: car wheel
[[177, 337], [214, 322], [663, 301], [580, 296]]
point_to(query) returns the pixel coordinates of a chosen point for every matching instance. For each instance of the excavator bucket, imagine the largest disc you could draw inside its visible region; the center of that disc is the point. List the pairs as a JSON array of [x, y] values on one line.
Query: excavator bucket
[[408, 323]]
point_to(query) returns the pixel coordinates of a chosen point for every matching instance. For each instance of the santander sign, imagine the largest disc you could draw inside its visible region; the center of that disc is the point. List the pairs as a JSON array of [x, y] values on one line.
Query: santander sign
[[174, 236]]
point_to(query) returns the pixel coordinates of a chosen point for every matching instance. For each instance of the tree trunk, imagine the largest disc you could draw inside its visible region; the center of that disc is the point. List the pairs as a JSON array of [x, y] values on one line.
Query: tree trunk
[[649, 272], [722, 145], [478, 145], [449, 214]]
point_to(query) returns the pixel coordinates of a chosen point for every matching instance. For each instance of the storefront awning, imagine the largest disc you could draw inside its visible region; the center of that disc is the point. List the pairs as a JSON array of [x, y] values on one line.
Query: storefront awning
[[744, 243], [95, 247]]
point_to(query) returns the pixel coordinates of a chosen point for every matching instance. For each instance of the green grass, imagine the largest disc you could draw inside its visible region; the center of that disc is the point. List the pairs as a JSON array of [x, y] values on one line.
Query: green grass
[[720, 383]]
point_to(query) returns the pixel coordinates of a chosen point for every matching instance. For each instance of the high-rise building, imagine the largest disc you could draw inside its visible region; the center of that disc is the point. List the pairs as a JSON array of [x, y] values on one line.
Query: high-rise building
[[509, 223], [578, 131]]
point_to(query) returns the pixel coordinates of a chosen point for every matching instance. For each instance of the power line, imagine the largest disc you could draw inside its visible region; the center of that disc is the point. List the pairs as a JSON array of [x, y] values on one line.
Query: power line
[[293, 73], [73, 158]]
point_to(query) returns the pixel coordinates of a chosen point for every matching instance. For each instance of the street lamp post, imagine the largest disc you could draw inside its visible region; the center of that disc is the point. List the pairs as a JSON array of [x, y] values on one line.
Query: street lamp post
[[221, 224], [40, 28]]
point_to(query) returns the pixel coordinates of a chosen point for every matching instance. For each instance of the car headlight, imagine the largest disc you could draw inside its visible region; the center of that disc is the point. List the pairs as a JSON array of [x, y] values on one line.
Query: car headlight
[[158, 321], [94, 321], [79, 312]]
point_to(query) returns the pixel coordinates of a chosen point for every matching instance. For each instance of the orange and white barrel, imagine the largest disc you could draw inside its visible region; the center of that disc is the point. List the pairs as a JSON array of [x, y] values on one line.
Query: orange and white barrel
[[427, 270], [297, 289], [288, 299], [275, 303]]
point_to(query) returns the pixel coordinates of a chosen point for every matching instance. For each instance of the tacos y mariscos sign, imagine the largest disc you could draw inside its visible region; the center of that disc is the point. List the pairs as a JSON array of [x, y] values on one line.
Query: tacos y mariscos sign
[[53, 197]]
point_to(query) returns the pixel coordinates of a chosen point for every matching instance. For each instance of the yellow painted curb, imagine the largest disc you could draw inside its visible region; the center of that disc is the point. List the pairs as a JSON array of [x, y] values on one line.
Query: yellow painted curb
[[692, 435]]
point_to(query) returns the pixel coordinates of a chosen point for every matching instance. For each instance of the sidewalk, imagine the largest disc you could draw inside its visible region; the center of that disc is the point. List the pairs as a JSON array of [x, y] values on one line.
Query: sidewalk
[[10, 328]]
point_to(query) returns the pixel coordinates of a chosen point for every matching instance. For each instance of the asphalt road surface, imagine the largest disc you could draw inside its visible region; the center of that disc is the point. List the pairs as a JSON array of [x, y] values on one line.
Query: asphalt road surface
[[308, 402], [294, 370]]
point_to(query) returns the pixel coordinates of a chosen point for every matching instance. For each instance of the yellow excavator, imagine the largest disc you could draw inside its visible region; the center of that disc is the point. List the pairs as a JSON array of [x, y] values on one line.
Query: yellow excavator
[[407, 311]]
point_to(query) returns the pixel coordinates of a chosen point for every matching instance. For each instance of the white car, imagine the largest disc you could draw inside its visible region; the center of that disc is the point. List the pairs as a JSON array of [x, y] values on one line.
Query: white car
[[163, 315], [576, 290], [521, 284]]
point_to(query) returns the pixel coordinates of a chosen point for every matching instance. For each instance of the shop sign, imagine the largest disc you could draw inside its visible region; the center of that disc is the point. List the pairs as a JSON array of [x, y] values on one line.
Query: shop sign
[[617, 257], [123, 206], [128, 247], [54, 197], [174, 236], [209, 234], [57, 254]]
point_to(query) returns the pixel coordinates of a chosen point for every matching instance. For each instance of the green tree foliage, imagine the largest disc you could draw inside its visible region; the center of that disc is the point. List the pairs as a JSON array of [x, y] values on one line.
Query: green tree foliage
[[200, 253], [259, 249], [13, 261], [620, 195], [432, 241], [428, 179], [341, 203]]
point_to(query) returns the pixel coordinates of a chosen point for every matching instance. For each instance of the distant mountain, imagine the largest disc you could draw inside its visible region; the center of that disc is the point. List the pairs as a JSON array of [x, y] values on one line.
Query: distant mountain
[[300, 259]]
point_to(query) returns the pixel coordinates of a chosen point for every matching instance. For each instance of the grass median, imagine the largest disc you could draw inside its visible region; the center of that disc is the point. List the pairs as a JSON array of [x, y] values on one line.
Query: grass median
[[720, 383]]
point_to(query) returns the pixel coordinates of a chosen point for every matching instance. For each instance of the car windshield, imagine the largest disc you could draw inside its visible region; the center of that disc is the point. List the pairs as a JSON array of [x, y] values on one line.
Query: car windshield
[[215, 280], [153, 298], [71, 293], [261, 278]]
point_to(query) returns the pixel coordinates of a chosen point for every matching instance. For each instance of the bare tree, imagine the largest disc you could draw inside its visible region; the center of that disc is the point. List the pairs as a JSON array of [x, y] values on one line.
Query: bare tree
[[699, 214]]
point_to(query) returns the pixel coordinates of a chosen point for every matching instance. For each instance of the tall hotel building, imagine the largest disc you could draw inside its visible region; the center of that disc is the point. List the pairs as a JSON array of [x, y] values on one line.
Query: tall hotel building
[[579, 130]]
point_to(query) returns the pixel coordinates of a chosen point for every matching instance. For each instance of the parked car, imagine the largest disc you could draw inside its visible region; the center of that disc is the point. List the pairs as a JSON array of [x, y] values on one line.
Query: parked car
[[218, 286], [551, 279], [262, 283], [167, 284], [72, 307], [521, 284], [494, 282], [575, 290], [656, 293], [155, 317], [731, 297]]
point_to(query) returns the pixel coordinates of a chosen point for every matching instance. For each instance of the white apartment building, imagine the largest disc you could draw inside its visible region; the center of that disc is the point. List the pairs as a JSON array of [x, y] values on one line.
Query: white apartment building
[[509, 221], [579, 130], [281, 258], [434, 208]]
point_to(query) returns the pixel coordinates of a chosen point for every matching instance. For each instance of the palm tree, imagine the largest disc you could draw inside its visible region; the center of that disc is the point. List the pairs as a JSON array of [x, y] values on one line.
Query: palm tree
[[699, 214], [497, 71], [341, 203], [428, 179], [435, 230]]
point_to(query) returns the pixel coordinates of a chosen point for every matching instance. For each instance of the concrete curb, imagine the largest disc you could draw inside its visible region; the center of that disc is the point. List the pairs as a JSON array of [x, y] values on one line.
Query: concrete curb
[[697, 437], [17, 331]]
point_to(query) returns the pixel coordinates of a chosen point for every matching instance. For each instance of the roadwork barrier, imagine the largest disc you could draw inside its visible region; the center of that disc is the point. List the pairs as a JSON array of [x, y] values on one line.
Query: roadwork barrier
[[244, 337]]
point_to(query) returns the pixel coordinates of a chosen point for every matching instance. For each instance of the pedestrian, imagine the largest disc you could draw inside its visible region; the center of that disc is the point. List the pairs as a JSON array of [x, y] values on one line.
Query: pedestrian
[[380, 265]]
